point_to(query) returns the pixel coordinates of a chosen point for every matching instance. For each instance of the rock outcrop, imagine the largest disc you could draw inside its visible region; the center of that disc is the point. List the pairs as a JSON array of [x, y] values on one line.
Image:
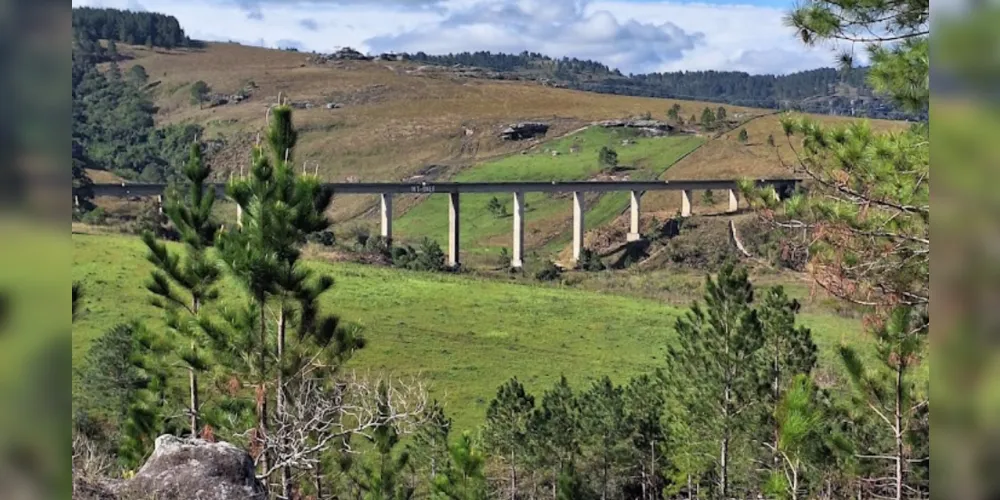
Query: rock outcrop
[[186, 469], [649, 128], [524, 130]]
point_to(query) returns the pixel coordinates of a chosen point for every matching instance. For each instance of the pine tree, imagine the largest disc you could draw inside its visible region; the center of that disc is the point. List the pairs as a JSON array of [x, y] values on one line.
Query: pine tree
[[383, 479], [674, 113], [603, 419], [720, 114], [799, 425], [554, 429], [183, 285], [716, 362], [607, 158], [645, 403], [788, 350], [110, 379], [149, 415], [506, 429], [280, 209], [890, 392], [707, 119], [895, 33], [743, 136], [429, 444], [570, 484], [464, 478]]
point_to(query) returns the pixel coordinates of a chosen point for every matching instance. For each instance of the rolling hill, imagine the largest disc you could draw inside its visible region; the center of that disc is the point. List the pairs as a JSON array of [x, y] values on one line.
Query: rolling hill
[[393, 120]]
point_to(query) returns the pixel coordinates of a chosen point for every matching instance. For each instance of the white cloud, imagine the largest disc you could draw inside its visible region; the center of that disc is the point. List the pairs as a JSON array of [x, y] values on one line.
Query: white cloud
[[632, 36], [553, 27]]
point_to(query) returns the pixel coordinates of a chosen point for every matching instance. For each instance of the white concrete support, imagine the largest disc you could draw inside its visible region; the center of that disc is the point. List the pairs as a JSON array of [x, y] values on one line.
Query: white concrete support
[[734, 203], [453, 229], [686, 203], [517, 260], [387, 216], [159, 203], [578, 226], [633, 231]]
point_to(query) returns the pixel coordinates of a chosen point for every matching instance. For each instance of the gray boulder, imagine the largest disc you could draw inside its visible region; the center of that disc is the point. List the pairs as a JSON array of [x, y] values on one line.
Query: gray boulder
[[195, 469], [524, 130]]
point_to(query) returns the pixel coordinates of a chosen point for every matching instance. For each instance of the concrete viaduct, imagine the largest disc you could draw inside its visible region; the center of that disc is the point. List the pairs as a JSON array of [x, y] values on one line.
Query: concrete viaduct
[[386, 190]]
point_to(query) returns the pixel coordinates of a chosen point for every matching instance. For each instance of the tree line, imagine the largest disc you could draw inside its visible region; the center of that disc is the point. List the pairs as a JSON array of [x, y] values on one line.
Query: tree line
[[113, 125], [134, 28], [814, 91]]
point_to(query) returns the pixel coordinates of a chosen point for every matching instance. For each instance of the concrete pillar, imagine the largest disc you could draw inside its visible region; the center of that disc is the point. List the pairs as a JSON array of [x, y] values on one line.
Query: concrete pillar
[[159, 203], [578, 226], [633, 231], [734, 203], [453, 229], [686, 203], [517, 260], [387, 216]]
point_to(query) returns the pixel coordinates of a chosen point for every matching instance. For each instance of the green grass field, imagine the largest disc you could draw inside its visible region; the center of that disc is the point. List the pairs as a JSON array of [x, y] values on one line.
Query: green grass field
[[547, 217], [463, 335]]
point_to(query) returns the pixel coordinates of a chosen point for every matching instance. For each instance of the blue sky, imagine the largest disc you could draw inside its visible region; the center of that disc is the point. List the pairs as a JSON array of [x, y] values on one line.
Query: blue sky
[[635, 36]]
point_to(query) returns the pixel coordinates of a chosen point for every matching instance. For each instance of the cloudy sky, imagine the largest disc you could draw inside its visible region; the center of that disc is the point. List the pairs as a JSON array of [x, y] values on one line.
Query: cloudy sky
[[635, 36]]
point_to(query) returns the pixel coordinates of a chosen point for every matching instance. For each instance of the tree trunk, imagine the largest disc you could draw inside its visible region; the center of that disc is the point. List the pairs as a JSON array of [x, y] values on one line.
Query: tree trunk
[[318, 481], [689, 486], [724, 462], [262, 389], [286, 471], [652, 469], [513, 477], [193, 380], [899, 430], [776, 388]]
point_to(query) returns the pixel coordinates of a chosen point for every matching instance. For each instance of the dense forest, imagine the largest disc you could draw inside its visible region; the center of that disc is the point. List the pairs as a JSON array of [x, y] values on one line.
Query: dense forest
[[824, 90], [133, 28], [113, 127]]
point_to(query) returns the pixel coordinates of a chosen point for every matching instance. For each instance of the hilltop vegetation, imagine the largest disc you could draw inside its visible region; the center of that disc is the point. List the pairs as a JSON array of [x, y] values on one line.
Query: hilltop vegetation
[[824, 90]]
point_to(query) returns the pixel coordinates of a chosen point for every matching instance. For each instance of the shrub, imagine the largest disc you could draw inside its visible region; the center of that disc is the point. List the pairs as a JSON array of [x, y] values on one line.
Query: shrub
[[325, 238], [504, 260], [550, 272], [590, 261], [360, 234], [378, 245], [150, 220], [708, 197], [95, 217], [607, 158], [427, 257], [496, 208]]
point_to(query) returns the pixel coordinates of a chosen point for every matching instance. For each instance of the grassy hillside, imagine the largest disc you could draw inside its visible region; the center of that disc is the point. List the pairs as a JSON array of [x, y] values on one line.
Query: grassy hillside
[[396, 118], [463, 335], [547, 216]]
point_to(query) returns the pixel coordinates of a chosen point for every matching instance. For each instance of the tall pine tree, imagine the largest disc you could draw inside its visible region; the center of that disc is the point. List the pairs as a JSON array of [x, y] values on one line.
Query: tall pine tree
[[506, 429], [716, 360], [183, 285]]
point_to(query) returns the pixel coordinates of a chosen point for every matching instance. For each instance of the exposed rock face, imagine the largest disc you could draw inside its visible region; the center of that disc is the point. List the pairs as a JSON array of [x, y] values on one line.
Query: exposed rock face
[[524, 130], [649, 128], [189, 469]]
